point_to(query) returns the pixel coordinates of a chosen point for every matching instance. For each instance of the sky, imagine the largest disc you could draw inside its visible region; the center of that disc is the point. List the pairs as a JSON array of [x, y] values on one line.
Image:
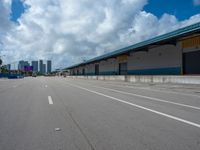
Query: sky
[[68, 31], [17, 9], [182, 9]]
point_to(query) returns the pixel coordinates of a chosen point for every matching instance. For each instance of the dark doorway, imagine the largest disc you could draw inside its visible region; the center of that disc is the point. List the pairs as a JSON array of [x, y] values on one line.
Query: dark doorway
[[123, 69], [83, 71], [96, 69], [191, 63]]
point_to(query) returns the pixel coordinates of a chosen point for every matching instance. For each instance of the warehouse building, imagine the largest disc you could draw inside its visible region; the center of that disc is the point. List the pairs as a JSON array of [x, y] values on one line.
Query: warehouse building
[[174, 53]]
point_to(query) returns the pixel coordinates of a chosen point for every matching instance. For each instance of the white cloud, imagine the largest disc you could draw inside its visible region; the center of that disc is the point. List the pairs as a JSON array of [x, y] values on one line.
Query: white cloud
[[196, 2], [66, 30], [4, 16]]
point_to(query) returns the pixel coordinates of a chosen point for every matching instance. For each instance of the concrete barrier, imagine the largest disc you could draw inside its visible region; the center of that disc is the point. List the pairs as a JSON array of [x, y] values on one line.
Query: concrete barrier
[[115, 78], [145, 79], [101, 77]]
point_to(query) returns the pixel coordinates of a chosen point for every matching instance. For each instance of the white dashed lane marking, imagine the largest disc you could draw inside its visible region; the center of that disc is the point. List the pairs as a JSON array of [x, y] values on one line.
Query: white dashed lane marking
[[50, 100]]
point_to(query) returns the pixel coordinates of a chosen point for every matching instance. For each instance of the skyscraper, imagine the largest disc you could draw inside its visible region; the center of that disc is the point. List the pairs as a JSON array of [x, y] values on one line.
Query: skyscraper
[[22, 64], [48, 66], [35, 66], [8, 66], [41, 66], [44, 69]]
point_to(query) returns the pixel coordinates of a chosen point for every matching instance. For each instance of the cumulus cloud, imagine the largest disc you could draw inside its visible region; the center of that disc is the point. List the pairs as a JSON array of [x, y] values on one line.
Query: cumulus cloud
[[67, 30], [5, 24]]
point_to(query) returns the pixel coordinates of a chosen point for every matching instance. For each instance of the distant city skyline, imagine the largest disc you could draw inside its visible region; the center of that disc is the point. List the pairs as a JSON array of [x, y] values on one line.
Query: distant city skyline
[[38, 66]]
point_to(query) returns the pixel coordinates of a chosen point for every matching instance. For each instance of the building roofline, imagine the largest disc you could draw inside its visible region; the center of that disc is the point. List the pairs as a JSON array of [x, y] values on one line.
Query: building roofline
[[174, 34]]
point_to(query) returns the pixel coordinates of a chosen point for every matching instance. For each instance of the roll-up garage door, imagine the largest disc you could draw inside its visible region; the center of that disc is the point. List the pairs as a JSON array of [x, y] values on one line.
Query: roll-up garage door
[[83, 71], [97, 69], [123, 68], [191, 62]]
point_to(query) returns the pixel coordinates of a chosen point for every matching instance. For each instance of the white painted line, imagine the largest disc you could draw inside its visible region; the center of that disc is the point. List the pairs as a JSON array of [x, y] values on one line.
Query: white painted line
[[46, 86], [162, 91], [50, 100], [147, 97], [150, 89], [141, 107], [14, 86]]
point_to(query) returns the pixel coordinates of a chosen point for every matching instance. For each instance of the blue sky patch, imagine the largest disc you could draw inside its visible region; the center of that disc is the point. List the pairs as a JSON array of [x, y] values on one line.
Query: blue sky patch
[[182, 9], [17, 9]]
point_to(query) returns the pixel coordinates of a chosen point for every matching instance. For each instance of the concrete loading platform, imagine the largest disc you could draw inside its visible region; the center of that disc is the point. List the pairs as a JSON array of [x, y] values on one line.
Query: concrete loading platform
[[145, 79]]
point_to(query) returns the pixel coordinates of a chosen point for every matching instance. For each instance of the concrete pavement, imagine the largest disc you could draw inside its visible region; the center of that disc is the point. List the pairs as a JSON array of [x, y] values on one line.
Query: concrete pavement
[[97, 115]]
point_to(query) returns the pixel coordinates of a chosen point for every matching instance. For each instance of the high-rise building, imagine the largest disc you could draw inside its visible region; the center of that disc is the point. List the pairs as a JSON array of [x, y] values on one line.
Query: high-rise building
[[41, 66], [22, 65], [44, 69], [8, 66], [35, 66], [48, 66], [26, 63]]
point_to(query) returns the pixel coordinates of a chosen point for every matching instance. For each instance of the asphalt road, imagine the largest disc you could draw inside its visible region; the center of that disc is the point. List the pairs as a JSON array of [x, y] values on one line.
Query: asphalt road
[[53, 113]]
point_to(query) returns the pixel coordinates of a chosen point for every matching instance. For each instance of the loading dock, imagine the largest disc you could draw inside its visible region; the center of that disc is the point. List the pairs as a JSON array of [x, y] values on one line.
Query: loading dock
[[123, 68], [97, 69], [191, 63], [174, 53], [83, 71]]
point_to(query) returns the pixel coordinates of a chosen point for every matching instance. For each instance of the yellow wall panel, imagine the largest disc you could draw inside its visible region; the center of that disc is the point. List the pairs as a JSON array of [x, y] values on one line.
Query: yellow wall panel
[[191, 42], [122, 57]]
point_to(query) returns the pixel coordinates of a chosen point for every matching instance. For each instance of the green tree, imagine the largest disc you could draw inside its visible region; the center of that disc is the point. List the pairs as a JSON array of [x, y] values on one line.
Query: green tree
[[4, 69]]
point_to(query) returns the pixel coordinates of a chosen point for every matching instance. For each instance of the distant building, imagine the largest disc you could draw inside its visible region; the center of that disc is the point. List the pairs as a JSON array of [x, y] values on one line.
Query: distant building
[[44, 69], [41, 66], [49, 66], [8, 67], [35, 66], [22, 65]]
